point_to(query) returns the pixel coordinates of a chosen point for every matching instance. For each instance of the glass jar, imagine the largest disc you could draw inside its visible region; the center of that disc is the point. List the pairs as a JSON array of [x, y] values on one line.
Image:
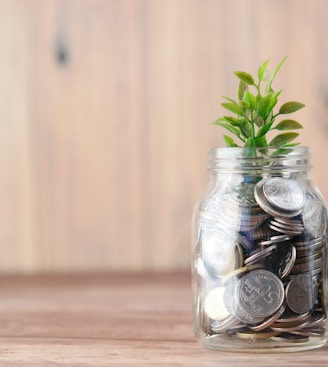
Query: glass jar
[[259, 257]]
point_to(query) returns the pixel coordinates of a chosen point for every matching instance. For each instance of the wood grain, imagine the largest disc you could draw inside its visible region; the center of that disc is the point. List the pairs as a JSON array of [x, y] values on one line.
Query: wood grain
[[105, 111], [112, 320]]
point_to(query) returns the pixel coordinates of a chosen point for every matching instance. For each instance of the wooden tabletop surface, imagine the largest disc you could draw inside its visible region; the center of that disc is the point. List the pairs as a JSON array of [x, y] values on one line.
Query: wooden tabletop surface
[[112, 320]]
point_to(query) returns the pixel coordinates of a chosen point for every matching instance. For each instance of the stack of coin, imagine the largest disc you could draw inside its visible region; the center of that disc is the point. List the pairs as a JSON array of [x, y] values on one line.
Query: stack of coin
[[264, 246]]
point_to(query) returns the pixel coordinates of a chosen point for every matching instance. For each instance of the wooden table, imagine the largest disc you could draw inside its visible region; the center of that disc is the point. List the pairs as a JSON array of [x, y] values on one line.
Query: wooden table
[[112, 320]]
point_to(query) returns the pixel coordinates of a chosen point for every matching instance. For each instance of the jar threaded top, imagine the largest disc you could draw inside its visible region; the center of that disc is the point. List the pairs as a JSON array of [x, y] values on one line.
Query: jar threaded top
[[266, 159]]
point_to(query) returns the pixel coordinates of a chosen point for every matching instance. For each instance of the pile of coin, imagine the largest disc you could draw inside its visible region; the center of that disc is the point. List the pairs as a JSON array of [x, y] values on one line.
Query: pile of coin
[[262, 257]]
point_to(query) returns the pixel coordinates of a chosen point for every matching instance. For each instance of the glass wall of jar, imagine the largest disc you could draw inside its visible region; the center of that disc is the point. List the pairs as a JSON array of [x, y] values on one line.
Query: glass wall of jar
[[259, 256]]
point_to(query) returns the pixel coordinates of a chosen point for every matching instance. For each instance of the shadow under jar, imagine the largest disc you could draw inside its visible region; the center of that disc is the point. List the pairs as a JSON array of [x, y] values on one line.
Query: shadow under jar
[[259, 256]]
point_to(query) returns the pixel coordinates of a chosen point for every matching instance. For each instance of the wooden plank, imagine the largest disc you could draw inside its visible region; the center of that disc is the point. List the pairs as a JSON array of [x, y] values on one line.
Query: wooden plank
[[112, 319]]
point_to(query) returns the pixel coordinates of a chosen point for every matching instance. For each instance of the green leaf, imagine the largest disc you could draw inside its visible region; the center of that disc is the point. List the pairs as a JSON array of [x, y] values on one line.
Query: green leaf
[[250, 143], [274, 99], [290, 107], [229, 99], [232, 107], [245, 127], [245, 77], [242, 88], [262, 70], [230, 128], [261, 141], [229, 141], [251, 99], [283, 139], [264, 129], [288, 125], [263, 106], [232, 120], [275, 73]]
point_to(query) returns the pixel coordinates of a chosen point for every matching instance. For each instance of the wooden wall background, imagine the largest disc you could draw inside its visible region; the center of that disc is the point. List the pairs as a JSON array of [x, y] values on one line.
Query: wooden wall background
[[104, 119]]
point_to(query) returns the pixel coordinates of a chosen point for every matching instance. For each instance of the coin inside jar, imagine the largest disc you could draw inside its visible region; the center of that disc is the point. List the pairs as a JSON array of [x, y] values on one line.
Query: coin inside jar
[[221, 252], [214, 305], [301, 293], [260, 293], [279, 197], [284, 194]]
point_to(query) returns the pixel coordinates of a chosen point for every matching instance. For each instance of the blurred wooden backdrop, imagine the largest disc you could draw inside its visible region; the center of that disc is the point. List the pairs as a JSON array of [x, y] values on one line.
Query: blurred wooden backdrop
[[104, 119]]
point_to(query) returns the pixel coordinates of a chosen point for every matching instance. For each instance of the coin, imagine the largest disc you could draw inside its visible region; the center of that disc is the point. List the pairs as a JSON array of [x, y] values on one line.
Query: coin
[[290, 318], [313, 217], [282, 261], [259, 255], [307, 266], [238, 272], [274, 239], [284, 194], [260, 293], [265, 324], [214, 306], [219, 252], [279, 197], [301, 293], [248, 334], [290, 338], [222, 326]]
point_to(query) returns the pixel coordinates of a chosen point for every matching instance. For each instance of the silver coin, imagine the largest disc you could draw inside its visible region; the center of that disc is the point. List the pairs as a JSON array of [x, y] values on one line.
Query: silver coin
[[275, 239], [314, 218], [225, 325], [289, 318], [284, 194], [219, 252], [289, 262], [259, 255], [301, 293], [269, 321], [307, 266], [290, 222], [260, 293], [285, 231], [290, 338], [214, 306], [243, 194]]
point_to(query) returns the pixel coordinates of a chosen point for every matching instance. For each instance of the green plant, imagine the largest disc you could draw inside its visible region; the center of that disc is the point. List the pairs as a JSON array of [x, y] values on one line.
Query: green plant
[[254, 115]]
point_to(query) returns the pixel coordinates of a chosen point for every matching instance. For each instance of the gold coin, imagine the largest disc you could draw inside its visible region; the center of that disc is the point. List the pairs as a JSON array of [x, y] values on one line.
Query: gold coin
[[249, 334]]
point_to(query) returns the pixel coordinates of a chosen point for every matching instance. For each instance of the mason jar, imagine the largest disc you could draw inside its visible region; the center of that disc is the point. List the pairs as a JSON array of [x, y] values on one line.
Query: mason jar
[[259, 256]]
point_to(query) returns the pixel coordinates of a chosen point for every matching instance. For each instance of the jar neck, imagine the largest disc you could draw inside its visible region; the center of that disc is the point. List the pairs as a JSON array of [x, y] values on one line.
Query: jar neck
[[263, 161]]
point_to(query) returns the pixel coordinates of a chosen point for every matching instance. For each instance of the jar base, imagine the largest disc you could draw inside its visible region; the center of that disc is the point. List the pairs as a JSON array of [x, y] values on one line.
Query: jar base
[[226, 343]]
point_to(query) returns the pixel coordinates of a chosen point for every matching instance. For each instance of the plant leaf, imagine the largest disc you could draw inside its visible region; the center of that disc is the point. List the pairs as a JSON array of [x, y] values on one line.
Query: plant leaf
[[229, 141], [251, 99], [250, 143], [229, 99], [275, 73], [230, 128], [242, 88], [261, 141], [290, 107], [245, 77], [262, 70], [232, 120], [274, 99], [263, 106], [288, 125], [245, 127], [232, 107], [264, 129], [283, 139]]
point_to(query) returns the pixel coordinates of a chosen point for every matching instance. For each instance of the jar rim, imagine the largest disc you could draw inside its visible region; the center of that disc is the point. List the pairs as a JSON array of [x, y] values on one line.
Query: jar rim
[[245, 152], [267, 158]]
